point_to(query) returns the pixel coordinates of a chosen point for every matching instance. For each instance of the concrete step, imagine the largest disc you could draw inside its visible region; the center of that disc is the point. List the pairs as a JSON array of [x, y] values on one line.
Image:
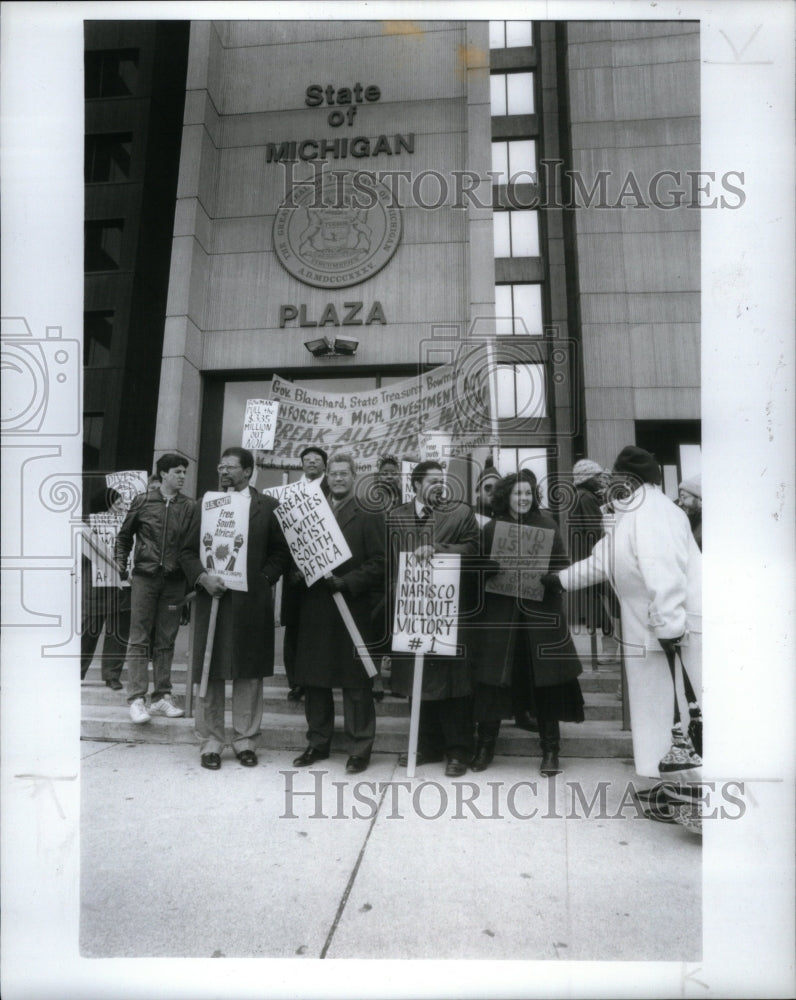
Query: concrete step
[[283, 731], [599, 705]]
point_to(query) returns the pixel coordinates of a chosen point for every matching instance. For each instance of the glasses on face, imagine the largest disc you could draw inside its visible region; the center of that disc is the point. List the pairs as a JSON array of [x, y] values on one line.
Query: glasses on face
[[228, 468]]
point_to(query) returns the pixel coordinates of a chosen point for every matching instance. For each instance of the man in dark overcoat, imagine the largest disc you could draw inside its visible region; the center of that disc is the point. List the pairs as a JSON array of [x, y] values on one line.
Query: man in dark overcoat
[[243, 650], [427, 526], [325, 652], [313, 466]]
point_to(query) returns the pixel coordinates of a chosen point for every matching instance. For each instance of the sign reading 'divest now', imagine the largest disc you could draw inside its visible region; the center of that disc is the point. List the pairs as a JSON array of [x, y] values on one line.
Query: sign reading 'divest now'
[[311, 530], [259, 424], [523, 552], [225, 535], [427, 605]]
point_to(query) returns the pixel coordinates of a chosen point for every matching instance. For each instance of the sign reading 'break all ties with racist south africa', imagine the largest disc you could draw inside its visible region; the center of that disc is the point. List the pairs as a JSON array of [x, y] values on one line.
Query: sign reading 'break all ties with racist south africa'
[[402, 418]]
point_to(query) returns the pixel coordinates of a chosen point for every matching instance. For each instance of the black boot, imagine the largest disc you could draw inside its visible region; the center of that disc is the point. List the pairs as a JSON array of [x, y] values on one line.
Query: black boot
[[485, 746], [550, 742]]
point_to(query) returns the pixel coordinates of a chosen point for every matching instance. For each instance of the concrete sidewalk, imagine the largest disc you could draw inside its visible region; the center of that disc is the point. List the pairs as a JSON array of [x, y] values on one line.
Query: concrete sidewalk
[[281, 863]]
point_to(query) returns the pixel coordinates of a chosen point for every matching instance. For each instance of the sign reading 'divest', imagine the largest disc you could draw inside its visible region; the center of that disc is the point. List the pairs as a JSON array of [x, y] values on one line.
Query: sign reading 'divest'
[[225, 535], [311, 530], [259, 424], [427, 605], [127, 484], [523, 552]]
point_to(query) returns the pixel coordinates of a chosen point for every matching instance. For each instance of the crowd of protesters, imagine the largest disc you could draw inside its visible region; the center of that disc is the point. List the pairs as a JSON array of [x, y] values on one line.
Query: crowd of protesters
[[635, 559]]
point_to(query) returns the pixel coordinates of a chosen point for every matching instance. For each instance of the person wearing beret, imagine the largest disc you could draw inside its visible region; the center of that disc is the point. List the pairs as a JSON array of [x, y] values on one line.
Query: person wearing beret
[[655, 566]]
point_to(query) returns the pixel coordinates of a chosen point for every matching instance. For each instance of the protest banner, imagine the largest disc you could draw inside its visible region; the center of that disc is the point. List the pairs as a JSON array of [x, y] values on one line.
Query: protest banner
[[259, 424], [523, 552], [318, 546], [224, 537], [451, 399], [426, 620], [127, 484]]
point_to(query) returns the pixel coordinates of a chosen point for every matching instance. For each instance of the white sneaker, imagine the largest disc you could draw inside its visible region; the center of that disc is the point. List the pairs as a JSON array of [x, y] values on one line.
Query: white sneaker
[[138, 712], [165, 706]]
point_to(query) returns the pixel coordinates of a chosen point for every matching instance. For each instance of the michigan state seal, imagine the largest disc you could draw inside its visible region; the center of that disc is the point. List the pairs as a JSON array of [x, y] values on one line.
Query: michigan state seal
[[337, 232]]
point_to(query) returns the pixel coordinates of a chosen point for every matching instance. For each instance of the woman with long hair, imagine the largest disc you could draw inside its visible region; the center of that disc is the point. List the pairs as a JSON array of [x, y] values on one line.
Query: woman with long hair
[[524, 641]]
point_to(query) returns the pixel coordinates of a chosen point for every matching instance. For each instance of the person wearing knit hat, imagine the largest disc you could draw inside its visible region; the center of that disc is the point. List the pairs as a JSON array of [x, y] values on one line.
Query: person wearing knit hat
[[483, 493], [655, 566], [689, 495], [596, 606]]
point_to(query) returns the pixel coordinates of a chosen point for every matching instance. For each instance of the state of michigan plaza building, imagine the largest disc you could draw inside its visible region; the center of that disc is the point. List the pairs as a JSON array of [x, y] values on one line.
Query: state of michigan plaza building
[[347, 206]]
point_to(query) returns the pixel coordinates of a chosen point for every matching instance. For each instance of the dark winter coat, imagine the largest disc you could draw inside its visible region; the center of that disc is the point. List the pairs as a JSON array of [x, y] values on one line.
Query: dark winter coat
[[593, 605], [452, 529], [502, 618], [325, 652], [244, 640]]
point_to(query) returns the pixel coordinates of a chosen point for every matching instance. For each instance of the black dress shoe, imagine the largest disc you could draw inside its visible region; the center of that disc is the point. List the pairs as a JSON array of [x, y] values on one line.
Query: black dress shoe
[[421, 758], [296, 693], [212, 761], [549, 765], [455, 768], [248, 758], [356, 765], [114, 684], [310, 755]]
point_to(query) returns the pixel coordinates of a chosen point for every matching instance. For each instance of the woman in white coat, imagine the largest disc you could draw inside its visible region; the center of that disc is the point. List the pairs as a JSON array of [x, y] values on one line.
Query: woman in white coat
[[655, 566]]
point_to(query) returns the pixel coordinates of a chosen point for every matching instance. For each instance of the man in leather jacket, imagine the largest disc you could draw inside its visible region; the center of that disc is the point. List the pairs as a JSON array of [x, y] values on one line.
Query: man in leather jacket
[[157, 521]]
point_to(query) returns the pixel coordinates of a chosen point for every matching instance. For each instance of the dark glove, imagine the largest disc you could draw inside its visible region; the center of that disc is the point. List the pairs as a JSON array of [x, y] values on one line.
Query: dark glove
[[335, 584], [669, 646], [185, 614], [551, 583], [123, 574]]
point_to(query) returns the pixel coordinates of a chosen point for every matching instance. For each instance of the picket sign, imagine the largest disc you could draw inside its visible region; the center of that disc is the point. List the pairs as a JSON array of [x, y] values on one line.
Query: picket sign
[[224, 537], [426, 621], [318, 546], [211, 635], [259, 424]]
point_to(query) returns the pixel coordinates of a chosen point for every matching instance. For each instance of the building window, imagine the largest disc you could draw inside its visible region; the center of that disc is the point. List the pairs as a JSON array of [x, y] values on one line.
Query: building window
[[510, 34], [92, 440], [97, 337], [518, 310], [514, 161], [108, 156], [511, 93], [516, 233], [520, 392], [111, 73], [103, 245]]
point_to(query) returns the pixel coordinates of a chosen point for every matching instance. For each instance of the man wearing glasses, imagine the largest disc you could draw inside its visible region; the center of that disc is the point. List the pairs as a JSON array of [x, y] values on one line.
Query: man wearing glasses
[[243, 649]]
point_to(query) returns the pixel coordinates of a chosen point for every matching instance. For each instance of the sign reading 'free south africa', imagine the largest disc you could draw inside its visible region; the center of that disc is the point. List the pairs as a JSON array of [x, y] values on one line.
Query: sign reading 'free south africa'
[[337, 232], [225, 536]]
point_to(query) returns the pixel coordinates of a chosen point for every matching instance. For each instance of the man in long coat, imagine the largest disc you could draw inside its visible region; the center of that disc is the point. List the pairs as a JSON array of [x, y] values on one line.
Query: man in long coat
[[325, 652], [427, 526], [655, 567], [243, 650]]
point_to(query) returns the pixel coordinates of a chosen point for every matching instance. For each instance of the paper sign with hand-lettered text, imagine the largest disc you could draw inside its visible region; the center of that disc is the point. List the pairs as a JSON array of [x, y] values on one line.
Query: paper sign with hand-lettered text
[[223, 541], [102, 542], [427, 605], [311, 530], [259, 424], [127, 484], [523, 552]]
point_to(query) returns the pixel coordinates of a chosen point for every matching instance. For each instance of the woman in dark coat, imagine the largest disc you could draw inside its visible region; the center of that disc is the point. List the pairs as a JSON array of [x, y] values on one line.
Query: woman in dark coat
[[513, 633]]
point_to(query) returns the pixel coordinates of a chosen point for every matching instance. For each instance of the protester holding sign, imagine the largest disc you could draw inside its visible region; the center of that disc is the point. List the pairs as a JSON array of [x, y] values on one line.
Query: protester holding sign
[[157, 521], [428, 525], [243, 646], [313, 466], [524, 634], [325, 653]]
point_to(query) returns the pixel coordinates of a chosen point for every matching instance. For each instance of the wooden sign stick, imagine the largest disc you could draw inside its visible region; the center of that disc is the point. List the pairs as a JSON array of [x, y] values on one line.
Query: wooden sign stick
[[211, 635], [353, 631], [414, 718]]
